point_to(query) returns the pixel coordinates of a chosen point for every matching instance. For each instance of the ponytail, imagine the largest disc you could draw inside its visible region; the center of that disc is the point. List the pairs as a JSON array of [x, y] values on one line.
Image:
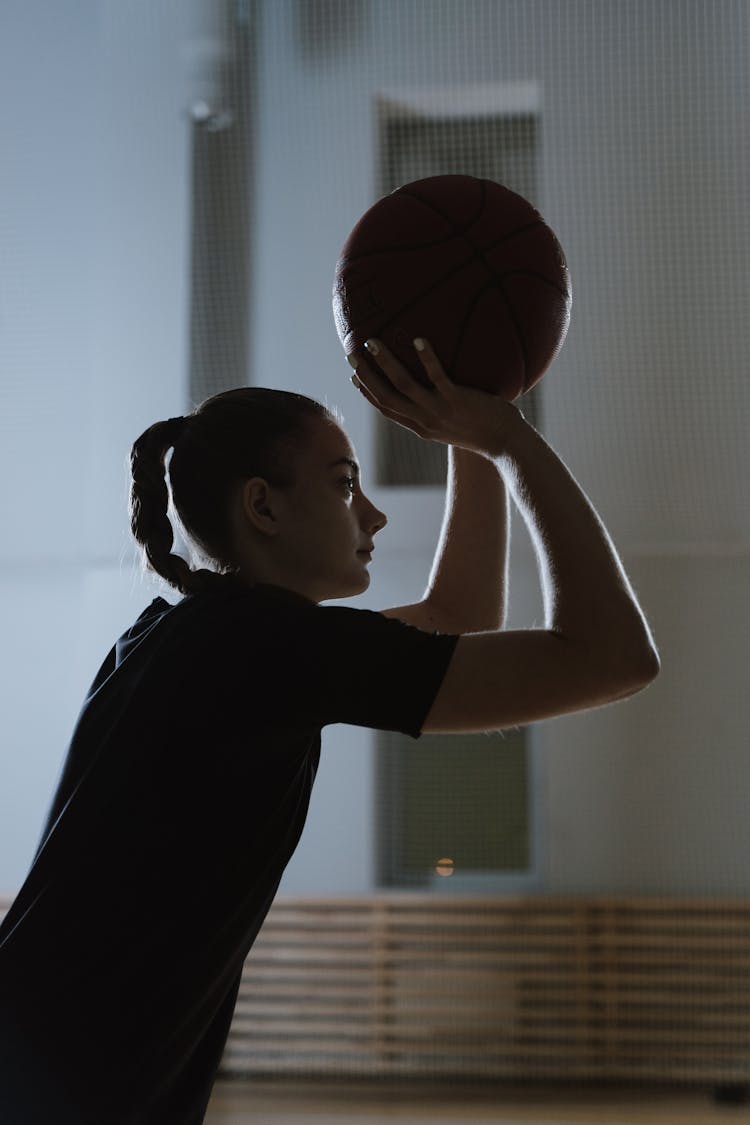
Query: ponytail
[[149, 504], [231, 437]]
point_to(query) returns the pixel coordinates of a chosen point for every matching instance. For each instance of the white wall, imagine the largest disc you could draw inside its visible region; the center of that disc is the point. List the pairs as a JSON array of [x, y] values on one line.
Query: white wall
[[643, 178], [648, 402], [94, 222]]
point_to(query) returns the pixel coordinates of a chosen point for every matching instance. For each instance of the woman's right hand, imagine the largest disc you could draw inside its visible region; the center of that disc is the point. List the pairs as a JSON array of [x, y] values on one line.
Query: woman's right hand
[[444, 411]]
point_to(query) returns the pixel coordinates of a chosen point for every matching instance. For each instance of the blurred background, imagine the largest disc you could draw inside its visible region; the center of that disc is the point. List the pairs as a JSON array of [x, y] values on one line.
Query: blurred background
[[178, 177]]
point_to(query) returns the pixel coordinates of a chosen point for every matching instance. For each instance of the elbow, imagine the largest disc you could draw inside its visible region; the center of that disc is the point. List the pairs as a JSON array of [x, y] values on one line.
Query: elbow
[[640, 674], [634, 650], [648, 662], [652, 665]]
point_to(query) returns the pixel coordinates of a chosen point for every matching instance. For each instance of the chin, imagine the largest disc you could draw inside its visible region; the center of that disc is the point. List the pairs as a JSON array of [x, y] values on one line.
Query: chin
[[357, 584], [347, 588]]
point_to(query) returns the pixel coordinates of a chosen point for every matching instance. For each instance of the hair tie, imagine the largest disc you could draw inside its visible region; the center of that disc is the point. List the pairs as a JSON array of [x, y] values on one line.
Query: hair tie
[[176, 427]]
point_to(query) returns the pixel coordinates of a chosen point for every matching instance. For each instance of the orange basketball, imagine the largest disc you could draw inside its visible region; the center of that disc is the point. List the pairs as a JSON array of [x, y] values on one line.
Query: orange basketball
[[466, 263]]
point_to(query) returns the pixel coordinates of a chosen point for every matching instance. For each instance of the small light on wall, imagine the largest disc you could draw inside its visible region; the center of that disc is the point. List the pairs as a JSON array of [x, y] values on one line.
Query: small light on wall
[[444, 867]]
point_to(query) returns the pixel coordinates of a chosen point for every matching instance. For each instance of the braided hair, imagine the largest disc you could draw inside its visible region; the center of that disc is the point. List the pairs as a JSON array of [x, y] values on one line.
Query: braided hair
[[231, 437]]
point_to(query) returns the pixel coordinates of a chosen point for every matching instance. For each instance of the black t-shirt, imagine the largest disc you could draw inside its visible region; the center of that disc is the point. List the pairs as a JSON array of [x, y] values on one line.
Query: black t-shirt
[[181, 800]]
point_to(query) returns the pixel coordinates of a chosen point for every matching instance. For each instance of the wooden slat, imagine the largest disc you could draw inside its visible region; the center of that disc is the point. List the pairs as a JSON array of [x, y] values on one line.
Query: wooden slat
[[515, 987], [542, 987]]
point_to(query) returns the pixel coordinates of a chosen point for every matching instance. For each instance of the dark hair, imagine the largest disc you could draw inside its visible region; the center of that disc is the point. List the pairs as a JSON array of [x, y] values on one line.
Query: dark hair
[[231, 437]]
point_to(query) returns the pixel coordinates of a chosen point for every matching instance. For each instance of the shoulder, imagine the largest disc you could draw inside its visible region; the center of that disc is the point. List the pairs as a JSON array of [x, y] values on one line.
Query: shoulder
[[278, 619]]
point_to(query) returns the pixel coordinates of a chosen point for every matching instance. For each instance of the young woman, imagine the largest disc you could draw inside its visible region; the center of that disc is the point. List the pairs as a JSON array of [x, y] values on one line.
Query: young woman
[[187, 780]]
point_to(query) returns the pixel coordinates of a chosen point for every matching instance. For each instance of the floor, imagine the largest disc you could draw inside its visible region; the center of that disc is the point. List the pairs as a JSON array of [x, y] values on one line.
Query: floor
[[236, 1102]]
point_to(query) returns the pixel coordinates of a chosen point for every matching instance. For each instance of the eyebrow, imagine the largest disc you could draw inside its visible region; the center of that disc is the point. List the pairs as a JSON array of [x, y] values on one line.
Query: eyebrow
[[345, 461]]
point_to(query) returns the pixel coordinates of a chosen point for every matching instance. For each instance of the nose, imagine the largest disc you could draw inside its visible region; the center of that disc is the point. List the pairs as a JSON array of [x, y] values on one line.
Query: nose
[[376, 520]]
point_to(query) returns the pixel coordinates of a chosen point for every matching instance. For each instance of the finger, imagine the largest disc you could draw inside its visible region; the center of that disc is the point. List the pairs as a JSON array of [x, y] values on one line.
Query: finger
[[389, 412], [394, 415], [399, 377], [379, 385], [363, 388], [404, 420], [433, 367]]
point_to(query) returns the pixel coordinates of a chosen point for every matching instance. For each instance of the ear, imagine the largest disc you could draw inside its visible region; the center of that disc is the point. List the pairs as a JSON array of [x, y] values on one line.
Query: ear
[[258, 506]]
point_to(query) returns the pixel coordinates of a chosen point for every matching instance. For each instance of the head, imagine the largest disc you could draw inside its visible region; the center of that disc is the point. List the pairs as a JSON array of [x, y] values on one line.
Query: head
[[266, 487]]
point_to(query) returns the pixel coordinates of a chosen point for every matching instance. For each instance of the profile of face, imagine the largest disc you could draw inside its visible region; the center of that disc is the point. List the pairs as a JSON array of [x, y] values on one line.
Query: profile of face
[[316, 536]]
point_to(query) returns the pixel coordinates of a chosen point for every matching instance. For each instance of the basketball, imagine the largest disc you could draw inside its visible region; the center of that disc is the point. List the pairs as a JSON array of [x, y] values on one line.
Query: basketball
[[466, 263]]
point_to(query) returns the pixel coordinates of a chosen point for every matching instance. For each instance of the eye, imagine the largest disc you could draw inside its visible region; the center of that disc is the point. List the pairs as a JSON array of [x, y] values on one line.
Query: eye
[[350, 483]]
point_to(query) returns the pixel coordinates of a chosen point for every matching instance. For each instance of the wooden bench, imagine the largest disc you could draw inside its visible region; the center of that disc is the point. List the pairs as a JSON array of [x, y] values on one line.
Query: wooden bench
[[513, 988], [587, 988]]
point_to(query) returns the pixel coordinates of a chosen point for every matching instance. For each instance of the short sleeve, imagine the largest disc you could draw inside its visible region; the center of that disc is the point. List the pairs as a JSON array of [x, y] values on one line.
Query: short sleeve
[[336, 664]]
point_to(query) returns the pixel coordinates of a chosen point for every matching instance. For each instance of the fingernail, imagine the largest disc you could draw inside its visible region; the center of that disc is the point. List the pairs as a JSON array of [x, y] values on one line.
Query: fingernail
[[419, 344], [352, 361], [372, 346]]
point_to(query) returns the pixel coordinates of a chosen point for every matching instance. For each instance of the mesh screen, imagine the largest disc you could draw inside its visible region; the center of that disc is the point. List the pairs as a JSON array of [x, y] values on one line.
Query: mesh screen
[[625, 121]]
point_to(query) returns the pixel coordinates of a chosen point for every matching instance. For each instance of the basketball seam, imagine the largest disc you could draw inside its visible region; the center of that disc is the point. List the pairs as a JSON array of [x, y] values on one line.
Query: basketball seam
[[425, 293], [478, 256], [436, 211], [540, 277], [467, 226], [519, 337], [419, 245], [497, 279], [457, 232]]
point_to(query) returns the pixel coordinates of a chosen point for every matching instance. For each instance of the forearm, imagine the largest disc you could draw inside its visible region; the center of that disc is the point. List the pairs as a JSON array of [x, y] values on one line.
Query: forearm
[[469, 577], [587, 594]]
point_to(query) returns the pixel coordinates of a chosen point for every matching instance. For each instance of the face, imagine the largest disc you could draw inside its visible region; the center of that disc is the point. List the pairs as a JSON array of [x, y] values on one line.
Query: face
[[323, 525]]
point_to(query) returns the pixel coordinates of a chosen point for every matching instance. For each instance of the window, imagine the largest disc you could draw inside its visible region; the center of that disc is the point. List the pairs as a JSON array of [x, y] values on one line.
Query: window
[[454, 812], [414, 145]]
